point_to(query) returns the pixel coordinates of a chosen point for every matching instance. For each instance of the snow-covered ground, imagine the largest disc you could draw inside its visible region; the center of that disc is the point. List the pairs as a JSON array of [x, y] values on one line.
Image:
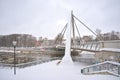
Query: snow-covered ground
[[9, 51], [51, 71]]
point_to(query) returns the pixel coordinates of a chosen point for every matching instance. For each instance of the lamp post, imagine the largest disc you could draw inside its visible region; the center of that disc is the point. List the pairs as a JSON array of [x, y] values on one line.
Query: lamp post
[[14, 44]]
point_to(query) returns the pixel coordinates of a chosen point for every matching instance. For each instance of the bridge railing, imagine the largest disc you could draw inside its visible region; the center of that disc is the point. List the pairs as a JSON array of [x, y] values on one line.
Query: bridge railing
[[97, 45], [104, 67], [88, 46]]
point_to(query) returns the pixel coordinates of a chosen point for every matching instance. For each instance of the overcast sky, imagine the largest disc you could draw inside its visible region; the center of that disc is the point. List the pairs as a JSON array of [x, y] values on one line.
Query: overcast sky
[[47, 17]]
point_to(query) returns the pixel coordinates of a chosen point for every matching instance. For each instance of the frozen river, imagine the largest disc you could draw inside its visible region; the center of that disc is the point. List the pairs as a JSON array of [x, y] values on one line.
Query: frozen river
[[51, 71]]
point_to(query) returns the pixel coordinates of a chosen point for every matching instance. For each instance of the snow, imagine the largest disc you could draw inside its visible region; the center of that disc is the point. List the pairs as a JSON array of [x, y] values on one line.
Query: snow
[[115, 63], [110, 49], [51, 71], [67, 70], [111, 62], [7, 51], [86, 52]]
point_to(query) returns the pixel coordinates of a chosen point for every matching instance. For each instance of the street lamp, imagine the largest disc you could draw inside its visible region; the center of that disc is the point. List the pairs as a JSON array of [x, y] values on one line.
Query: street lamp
[[14, 44]]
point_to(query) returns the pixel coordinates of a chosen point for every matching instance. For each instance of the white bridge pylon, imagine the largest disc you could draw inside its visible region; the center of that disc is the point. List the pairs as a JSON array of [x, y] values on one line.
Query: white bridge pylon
[[67, 59]]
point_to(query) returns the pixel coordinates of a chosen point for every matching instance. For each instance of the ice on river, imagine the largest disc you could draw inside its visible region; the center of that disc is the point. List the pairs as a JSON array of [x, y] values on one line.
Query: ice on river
[[51, 71]]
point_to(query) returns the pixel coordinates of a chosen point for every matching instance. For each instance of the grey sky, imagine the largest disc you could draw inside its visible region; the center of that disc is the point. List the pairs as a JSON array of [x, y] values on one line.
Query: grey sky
[[47, 17]]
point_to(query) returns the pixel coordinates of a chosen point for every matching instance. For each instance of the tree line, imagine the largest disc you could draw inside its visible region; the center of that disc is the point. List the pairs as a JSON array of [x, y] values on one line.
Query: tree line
[[23, 40]]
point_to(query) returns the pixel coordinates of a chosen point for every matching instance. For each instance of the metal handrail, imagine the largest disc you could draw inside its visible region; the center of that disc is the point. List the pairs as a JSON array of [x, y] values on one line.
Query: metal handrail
[[107, 66]]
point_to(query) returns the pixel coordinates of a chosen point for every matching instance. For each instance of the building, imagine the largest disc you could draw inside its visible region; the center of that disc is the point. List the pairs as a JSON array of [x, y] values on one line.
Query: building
[[47, 42], [111, 36], [87, 38]]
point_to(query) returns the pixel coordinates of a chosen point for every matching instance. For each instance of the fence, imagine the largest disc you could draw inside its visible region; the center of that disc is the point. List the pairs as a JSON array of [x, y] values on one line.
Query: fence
[[104, 67]]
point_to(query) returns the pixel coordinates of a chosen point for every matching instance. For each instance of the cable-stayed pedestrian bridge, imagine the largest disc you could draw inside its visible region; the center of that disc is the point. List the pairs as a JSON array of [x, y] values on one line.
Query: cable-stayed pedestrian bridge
[[80, 44]]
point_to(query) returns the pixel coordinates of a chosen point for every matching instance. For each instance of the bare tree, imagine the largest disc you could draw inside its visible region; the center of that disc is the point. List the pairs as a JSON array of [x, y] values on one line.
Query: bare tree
[[58, 38], [99, 35]]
